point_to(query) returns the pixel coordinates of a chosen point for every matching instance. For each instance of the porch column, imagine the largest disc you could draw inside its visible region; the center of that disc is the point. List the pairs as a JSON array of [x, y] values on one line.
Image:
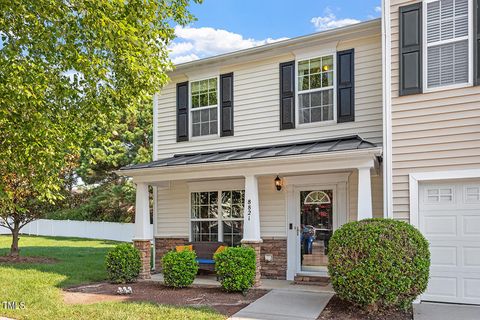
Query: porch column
[[251, 224], [142, 236], [364, 208]]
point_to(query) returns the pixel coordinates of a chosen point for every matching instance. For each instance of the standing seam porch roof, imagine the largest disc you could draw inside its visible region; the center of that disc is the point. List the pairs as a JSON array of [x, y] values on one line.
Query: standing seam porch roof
[[298, 148]]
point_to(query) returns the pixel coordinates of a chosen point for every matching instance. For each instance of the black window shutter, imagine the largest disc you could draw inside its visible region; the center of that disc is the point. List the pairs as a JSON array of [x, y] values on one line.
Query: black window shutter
[[182, 111], [226, 105], [287, 95], [346, 86], [410, 48], [477, 41]]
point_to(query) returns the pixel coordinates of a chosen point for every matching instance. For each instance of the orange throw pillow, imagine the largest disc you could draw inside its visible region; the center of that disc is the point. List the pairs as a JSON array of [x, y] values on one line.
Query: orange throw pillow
[[182, 248], [220, 249]]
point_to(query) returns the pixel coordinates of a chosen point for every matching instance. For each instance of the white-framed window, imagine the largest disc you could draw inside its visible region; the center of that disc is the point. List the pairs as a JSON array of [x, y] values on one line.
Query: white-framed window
[[217, 216], [448, 46], [440, 195], [316, 89], [472, 194], [204, 107]]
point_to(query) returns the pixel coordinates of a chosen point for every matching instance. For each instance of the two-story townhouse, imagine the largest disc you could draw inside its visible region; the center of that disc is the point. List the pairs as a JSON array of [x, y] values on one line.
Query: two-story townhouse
[[432, 148], [274, 146]]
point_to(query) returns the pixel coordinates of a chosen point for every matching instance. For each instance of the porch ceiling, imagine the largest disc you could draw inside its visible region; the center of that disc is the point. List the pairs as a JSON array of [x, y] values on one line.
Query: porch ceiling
[[293, 149]]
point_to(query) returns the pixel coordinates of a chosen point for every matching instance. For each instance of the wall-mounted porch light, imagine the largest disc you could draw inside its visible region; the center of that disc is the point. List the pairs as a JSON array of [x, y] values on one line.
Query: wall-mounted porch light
[[278, 183]]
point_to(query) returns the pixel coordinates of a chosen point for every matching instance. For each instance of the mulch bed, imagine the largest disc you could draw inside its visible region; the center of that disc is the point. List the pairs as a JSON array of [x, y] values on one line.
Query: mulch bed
[[149, 291], [338, 309], [21, 259]]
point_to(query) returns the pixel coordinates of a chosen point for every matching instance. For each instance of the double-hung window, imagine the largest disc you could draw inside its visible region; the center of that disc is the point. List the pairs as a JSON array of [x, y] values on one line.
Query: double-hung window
[[315, 88], [448, 43], [217, 216], [204, 110]]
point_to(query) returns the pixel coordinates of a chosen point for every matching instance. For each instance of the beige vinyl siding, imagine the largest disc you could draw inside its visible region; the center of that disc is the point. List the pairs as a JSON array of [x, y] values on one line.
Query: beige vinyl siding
[[257, 111], [173, 216], [273, 213], [437, 131], [173, 205]]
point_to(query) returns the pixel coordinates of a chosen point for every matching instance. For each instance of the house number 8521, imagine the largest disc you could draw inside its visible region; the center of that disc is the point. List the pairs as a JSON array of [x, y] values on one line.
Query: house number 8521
[[249, 209]]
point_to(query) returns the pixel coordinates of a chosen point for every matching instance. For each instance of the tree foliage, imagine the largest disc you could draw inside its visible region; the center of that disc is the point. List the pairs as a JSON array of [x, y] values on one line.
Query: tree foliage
[[106, 196], [68, 70]]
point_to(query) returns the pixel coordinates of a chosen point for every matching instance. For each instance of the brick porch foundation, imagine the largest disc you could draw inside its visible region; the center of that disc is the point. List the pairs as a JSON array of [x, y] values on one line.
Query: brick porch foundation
[[277, 268], [162, 246], [144, 247]]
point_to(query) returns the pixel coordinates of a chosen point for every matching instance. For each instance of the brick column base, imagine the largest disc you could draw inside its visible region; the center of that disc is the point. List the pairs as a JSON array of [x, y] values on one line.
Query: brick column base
[[257, 246], [145, 254]]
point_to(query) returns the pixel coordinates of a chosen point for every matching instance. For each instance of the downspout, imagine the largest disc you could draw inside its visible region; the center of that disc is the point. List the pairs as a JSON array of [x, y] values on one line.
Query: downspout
[[387, 110]]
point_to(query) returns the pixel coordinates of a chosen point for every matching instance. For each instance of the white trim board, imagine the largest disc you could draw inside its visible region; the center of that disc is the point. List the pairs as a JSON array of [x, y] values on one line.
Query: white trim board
[[415, 178], [387, 110], [212, 185]]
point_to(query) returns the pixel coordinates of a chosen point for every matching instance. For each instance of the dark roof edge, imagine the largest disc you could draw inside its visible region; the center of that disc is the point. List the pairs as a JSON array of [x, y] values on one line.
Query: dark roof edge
[[246, 149]]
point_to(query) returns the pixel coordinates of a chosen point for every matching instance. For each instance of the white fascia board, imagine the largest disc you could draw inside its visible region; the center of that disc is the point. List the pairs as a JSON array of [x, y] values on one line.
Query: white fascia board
[[155, 127], [301, 163], [387, 110]]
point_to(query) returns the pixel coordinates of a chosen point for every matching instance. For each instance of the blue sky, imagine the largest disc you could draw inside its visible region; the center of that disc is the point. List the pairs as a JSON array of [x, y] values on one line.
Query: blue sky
[[229, 25]]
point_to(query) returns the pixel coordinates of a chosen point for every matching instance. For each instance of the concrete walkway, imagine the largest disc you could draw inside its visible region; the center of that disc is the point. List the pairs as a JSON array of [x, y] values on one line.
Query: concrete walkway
[[281, 304], [445, 311]]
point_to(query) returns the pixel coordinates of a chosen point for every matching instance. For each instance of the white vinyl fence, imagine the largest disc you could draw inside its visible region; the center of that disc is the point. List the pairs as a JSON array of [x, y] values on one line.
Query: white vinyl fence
[[81, 229]]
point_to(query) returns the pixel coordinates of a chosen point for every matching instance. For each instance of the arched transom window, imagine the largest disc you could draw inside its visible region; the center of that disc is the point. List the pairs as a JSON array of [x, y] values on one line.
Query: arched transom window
[[317, 197]]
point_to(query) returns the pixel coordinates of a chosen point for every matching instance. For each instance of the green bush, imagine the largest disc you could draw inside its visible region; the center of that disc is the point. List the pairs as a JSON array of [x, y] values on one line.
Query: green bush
[[123, 263], [179, 268], [236, 268], [378, 263]]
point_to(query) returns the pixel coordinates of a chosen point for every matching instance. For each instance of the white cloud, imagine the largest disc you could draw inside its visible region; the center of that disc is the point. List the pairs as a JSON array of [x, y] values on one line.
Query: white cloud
[[180, 48], [378, 9], [330, 21], [185, 58], [203, 42]]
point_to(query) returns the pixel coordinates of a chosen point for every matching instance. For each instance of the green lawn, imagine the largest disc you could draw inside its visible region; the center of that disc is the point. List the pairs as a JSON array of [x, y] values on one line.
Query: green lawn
[[80, 261]]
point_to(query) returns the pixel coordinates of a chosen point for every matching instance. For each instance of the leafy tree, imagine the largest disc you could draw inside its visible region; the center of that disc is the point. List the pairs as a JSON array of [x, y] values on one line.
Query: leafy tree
[[68, 69], [108, 197]]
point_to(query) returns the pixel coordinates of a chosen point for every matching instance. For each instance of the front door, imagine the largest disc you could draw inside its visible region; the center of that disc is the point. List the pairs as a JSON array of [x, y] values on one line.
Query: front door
[[316, 206], [316, 213]]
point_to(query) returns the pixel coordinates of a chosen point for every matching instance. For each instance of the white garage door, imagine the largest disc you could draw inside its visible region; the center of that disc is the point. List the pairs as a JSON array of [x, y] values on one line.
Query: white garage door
[[449, 217]]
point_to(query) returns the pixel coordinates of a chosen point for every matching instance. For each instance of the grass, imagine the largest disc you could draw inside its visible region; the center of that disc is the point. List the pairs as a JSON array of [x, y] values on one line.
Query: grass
[[80, 261]]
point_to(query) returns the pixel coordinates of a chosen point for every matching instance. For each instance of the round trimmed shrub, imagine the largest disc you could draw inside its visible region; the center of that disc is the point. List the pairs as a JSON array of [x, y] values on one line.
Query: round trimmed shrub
[[123, 263], [179, 268], [378, 263], [235, 267]]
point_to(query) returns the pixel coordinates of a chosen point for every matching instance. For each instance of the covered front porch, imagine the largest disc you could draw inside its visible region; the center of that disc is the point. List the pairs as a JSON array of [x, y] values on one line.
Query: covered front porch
[[235, 197]]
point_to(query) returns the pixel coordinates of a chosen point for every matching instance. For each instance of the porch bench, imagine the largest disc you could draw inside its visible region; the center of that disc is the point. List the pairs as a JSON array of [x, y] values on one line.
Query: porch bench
[[205, 252]]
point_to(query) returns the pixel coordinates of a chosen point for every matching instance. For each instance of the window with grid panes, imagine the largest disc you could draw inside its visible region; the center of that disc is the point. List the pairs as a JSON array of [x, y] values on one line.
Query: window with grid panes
[[316, 89], [204, 110], [211, 224]]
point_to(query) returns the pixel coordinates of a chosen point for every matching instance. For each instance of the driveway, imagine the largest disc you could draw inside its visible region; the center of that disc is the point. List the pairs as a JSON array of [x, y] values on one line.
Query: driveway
[[445, 311]]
